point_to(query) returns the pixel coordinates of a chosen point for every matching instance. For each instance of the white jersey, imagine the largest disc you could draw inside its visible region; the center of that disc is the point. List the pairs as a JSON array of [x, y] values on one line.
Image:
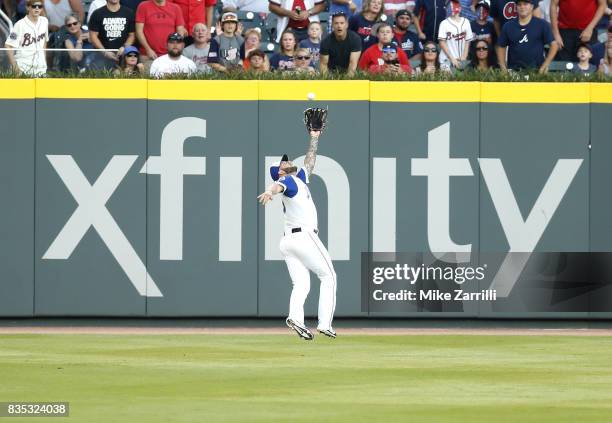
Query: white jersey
[[455, 34], [29, 39], [164, 65], [299, 209]]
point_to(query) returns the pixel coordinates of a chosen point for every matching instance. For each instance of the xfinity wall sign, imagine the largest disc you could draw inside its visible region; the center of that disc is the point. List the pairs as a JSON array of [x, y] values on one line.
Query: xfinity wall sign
[[171, 166]]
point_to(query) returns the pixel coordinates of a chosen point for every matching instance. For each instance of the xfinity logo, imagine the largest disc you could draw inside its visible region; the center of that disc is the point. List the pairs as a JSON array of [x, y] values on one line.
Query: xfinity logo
[[172, 167]]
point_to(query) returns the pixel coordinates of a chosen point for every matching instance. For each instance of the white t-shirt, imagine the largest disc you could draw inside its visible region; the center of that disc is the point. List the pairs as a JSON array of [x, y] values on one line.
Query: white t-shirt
[[300, 210], [164, 65], [57, 12], [29, 39], [456, 35]]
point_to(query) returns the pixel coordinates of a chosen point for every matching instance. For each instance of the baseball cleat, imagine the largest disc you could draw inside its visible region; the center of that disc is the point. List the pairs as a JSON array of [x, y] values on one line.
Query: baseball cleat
[[328, 332], [302, 331]]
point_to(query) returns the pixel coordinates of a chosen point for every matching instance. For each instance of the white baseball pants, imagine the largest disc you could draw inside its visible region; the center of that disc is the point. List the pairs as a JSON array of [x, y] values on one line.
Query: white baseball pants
[[304, 252]]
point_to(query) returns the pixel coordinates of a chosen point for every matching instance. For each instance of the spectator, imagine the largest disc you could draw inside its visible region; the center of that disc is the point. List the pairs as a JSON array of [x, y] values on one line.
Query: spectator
[[224, 54], [155, 20], [455, 35], [174, 62], [129, 64], [605, 67], [389, 62], [482, 28], [482, 58], [284, 59], [391, 7], [466, 10], [58, 10], [255, 6], [29, 37], [430, 14], [112, 27], [523, 40], [408, 41], [362, 23], [341, 49], [373, 56], [198, 51], [313, 43], [503, 11], [252, 40], [77, 41], [430, 64], [302, 62], [195, 11], [583, 66], [296, 14], [599, 49], [257, 61], [573, 22]]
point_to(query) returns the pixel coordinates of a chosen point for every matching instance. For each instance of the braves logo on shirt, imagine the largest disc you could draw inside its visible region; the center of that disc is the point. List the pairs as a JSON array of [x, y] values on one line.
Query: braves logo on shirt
[[510, 10], [456, 37], [29, 39]]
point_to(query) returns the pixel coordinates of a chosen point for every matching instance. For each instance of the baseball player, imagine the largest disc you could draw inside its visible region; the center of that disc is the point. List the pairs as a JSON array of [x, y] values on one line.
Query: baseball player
[[29, 37], [301, 247]]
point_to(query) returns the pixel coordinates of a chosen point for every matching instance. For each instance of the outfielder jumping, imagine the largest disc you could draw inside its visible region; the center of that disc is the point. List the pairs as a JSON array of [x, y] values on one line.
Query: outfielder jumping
[[301, 247]]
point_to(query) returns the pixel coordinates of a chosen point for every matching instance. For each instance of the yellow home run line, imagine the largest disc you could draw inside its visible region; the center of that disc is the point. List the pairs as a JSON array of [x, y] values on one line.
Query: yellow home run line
[[220, 90]]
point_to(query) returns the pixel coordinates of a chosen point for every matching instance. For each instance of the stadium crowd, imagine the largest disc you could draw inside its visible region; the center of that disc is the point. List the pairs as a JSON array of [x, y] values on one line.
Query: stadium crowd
[[164, 37]]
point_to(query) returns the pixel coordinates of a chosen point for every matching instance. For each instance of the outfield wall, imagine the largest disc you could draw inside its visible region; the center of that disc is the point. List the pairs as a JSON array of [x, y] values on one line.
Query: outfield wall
[[96, 219]]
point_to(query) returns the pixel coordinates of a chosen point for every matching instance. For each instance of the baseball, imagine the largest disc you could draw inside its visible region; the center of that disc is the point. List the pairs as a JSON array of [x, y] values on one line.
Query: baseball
[[311, 96]]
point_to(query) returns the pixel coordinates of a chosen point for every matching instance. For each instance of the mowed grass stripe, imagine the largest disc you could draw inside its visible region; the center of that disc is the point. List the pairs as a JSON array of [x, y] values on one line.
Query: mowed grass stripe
[[272, 378]]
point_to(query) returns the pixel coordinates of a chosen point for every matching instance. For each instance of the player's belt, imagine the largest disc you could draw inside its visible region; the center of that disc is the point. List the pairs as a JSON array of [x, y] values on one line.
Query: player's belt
[[295, 230]]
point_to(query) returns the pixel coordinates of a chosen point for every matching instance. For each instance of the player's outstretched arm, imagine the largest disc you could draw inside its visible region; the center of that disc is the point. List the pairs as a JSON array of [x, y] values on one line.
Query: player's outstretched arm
[[311, 154], [266, 196]]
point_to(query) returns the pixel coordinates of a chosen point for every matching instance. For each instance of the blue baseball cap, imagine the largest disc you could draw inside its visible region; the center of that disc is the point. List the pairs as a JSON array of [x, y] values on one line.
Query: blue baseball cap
[[130, 49], [275, 168]]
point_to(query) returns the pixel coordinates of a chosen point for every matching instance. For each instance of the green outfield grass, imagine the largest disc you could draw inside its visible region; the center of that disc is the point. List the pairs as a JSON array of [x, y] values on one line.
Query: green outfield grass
[[274, 378]]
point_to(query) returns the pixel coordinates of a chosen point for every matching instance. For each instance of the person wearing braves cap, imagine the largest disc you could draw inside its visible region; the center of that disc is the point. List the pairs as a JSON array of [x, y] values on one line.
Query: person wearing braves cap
[[301, 247], [523, 40], [373, 56], [174, 62], [407, 40], [224, 52]]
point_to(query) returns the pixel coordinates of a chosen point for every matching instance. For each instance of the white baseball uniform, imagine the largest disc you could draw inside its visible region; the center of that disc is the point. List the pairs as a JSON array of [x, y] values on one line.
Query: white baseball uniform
[[303, 251], [456, 35], [28, 39]]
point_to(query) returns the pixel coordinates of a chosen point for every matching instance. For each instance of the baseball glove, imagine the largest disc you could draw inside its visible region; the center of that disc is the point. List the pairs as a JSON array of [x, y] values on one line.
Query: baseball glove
[[315, 119]]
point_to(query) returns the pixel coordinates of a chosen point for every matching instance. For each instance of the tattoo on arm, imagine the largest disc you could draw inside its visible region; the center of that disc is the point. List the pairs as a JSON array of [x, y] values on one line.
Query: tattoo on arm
[[311, 155]]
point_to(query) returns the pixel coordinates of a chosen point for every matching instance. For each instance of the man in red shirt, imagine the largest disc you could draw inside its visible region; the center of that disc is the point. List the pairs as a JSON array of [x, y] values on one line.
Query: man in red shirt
[[573, 22], [155, 20], [196, 11]]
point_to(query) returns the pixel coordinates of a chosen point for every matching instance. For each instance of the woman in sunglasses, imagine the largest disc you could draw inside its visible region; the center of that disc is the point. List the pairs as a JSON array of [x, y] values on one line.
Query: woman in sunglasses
[[482, 58], [302, 61], [29, 38], [430, 63], [129, 64], [77, 41]]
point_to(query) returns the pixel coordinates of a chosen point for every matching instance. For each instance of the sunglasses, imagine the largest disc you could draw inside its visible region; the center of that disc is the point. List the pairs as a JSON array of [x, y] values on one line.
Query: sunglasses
[[482, 48], [302, 57], [131, 55], [37, 6], [71, 24], [430, 50]]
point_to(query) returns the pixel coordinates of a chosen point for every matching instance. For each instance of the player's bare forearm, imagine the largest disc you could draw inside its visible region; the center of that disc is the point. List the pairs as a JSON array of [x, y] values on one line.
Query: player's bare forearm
[[311, 154], [266, 196]]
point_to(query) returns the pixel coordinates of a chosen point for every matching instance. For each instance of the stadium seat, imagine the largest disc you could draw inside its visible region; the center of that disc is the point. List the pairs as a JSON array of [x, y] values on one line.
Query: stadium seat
[[270, 25]]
